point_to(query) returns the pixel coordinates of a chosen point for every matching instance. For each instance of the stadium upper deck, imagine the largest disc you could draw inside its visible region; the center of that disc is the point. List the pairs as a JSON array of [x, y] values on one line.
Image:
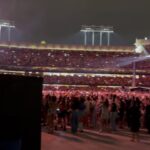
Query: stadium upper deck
[[51, 55], [68, 58]]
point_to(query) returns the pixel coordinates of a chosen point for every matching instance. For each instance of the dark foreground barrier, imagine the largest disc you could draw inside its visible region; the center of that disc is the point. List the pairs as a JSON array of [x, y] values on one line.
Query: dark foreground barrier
[[20, 107]]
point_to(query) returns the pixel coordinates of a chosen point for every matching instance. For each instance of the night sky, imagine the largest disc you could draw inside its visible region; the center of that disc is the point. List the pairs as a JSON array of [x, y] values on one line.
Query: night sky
[[38, 20]]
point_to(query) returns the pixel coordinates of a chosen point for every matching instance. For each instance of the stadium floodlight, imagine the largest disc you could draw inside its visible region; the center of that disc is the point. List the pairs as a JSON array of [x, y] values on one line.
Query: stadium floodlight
[[6, 24], [97, 29], [85, 28]]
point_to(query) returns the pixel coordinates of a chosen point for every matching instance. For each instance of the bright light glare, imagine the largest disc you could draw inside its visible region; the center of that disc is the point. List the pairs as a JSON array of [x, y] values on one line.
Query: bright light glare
[[139, 49]]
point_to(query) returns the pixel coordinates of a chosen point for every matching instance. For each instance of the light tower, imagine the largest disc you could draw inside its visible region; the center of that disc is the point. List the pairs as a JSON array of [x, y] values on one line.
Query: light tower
[[97, 29], [6, 24]]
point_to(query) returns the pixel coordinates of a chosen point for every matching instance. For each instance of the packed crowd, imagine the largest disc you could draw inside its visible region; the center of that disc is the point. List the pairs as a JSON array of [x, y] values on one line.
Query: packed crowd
[[82, 80], [103, 80], [105, 111]]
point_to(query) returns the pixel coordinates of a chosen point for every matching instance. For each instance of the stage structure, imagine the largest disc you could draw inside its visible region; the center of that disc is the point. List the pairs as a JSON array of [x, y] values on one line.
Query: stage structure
[[97, 29], [6, 24]]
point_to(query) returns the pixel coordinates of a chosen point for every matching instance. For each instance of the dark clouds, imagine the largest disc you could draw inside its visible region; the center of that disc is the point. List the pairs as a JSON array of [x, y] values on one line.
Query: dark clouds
[[48, 19]]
